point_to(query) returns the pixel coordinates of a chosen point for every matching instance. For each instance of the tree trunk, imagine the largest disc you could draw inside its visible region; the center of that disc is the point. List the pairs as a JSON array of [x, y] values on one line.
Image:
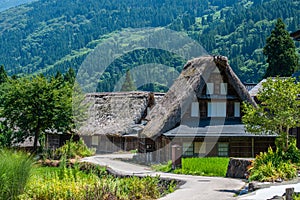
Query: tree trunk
[[287, 139], [36, 138]]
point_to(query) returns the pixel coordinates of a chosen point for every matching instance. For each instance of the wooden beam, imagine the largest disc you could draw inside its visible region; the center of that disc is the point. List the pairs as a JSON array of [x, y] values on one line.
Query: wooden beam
[[252, 153]]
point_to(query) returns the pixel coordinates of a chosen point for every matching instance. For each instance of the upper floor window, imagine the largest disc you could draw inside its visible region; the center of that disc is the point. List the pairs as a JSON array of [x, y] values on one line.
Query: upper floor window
[[237, 109], [210, 88], [223, 88], [213, 88], [195, 109], [216, 109]]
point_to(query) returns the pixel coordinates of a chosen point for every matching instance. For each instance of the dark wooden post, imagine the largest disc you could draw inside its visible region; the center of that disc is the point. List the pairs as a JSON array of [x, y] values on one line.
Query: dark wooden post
[[176, 156], [289, 193]]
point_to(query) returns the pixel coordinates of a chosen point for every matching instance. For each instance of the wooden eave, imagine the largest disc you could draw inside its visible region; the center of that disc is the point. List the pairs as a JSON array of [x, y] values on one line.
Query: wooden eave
[[296, 35]]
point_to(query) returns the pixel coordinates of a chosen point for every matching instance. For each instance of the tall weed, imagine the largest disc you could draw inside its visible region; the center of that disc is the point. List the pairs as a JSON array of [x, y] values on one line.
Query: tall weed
[[15, 168]]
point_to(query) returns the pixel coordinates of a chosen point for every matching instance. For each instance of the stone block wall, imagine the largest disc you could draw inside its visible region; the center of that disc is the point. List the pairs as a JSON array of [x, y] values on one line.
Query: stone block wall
[[238, 167]]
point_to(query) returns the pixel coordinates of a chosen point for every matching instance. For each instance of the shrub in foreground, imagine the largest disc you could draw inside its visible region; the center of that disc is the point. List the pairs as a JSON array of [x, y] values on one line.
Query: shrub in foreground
[[15, 168], [270, 165], [67, 183], [88, 181]]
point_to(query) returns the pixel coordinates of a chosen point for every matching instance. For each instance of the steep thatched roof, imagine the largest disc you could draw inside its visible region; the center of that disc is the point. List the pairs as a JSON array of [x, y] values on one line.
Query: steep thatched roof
[[116, 113], [187, 87]]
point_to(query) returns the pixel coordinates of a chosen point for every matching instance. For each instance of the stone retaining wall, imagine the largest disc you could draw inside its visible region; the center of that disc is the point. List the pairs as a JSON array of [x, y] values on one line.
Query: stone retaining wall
[[238, 167]]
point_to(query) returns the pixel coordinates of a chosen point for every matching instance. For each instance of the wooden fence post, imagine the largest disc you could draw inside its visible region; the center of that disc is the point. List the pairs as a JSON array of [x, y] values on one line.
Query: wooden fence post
[[289, 193]]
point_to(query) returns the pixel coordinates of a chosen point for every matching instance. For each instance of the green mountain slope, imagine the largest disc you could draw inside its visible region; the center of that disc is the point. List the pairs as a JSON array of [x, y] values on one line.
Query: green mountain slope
[[239, 32], [49, 35]]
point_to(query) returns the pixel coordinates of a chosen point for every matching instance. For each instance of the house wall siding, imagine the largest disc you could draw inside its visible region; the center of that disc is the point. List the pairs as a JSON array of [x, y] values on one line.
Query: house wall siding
[[111, 144], [237, 147]]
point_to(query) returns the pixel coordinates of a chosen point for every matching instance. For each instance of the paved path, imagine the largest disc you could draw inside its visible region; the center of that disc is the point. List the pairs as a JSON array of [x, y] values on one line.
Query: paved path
[[195, 188], [270, 192]]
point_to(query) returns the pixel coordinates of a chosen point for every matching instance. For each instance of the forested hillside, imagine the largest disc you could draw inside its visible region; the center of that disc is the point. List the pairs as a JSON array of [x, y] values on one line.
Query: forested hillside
[[48, 35]]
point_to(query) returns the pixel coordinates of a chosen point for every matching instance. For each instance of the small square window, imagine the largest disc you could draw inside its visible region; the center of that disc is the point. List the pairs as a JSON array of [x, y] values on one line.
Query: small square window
[[95, 140], [188, 149], [223, 149]]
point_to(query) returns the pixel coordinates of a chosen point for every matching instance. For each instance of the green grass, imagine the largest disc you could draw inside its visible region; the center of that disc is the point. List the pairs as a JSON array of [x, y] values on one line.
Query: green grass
[[210, 166]]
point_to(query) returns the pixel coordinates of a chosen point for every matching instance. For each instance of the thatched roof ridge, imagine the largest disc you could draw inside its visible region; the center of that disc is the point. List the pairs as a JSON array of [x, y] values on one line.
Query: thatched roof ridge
[[222, 63], [187, 87]]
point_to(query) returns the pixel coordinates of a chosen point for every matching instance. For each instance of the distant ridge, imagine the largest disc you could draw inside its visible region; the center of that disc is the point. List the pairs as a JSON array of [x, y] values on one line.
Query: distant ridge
[[6, 4]]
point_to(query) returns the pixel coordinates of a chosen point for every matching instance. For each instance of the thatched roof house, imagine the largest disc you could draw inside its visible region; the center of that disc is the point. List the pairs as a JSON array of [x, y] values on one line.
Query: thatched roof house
[[113, 113], [116, 118], [188, 87], [202, 113]]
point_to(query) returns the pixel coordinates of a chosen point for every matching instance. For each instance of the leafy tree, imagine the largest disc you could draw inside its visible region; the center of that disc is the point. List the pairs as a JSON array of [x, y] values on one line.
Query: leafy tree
[[6, 135], [36, 105], [281, 52], [3, 75], [70, 76], [128, 84], [277, 112], [3, 79]]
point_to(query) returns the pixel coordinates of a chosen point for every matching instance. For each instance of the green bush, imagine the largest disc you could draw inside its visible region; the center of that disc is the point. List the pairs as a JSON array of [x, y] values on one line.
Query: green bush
[[292, 153], [15, 168], [270, 165], [73, 149]]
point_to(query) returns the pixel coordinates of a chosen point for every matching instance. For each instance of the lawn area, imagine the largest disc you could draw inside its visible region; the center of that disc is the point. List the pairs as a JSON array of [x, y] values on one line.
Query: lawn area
[[209, 166]]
